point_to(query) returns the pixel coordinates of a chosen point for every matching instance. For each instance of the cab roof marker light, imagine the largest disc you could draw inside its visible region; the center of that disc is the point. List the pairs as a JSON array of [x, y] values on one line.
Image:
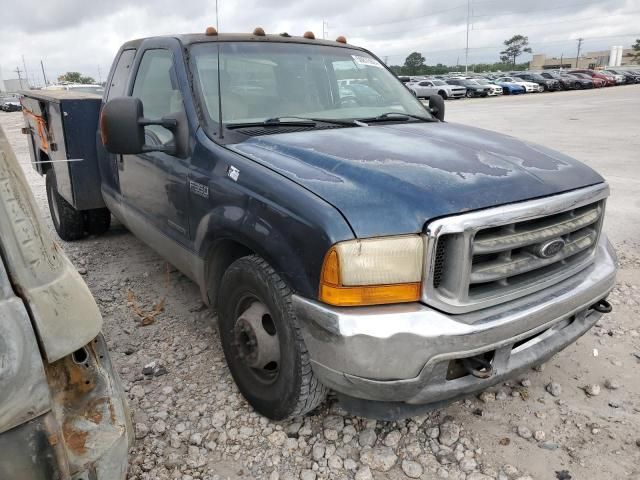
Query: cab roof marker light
[[259, 32], [211, 32], [341, 39], [309, 35]]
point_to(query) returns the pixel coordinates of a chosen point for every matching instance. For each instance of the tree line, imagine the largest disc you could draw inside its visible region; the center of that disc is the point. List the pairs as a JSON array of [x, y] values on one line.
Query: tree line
[[415, 63]]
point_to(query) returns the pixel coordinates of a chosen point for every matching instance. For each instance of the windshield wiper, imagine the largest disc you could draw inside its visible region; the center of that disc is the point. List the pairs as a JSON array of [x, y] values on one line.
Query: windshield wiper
[[293, 121], [395, 116]]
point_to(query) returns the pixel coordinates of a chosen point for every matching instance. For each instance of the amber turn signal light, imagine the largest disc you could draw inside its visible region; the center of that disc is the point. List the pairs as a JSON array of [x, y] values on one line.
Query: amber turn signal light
[[333, 292]]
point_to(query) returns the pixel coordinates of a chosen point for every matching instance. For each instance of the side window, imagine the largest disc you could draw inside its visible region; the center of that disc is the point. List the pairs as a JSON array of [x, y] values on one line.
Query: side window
[[121, 74], [156, 85]]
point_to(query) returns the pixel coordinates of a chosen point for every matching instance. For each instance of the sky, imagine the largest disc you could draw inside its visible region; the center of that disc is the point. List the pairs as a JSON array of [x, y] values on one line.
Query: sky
[[84, 35]]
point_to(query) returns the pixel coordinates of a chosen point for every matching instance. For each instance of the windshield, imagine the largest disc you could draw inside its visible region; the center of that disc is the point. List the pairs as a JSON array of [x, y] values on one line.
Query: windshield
[[438, 82], [261, 81], [470, 82]]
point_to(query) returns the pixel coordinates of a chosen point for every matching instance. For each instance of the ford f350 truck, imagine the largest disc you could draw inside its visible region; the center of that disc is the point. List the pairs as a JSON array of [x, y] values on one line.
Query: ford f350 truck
[[349, 239]]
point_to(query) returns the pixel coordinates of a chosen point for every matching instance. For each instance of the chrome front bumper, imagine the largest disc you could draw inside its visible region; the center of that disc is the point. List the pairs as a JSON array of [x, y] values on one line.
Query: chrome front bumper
[[402, 353]]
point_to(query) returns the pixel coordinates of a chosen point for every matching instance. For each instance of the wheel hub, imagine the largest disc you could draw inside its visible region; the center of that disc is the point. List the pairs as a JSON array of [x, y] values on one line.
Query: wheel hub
[[257, 339]]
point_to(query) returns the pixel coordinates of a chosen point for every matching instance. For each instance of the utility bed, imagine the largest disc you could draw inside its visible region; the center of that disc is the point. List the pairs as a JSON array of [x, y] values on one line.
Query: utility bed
[[62, 126]]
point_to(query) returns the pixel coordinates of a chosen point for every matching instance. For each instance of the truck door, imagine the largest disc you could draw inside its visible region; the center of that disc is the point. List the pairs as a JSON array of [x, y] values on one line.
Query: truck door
[[154, 184]]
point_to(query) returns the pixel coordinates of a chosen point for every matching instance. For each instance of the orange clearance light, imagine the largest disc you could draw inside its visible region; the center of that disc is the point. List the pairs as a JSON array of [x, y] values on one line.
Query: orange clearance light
[[258, 32], [309, 35], [334, 293], [210, 31], [103, 127], [341, 39]]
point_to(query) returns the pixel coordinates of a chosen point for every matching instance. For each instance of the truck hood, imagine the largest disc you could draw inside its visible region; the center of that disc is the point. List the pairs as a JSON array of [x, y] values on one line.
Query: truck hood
[[391, 179]]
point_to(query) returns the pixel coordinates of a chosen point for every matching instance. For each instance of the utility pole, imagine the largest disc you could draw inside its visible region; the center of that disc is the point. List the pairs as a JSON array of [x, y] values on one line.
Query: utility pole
[[325, 29], [99, 75], [466, 50], [578, 54], [44, 75]]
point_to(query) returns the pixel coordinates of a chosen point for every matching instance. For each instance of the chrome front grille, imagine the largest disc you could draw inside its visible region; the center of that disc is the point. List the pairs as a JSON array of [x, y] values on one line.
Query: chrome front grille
[[491, 256]]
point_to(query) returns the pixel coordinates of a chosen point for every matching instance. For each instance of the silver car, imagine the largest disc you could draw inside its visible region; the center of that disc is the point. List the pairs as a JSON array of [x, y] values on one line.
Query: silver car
[[427, 88], [63, 413]]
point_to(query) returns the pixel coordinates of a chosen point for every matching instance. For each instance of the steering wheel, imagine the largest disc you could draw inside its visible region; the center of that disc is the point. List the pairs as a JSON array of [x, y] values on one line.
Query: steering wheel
[[349, 101]]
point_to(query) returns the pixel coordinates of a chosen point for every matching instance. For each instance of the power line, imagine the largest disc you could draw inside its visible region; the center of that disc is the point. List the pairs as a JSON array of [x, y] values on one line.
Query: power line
[[536, 10], [511, 26]]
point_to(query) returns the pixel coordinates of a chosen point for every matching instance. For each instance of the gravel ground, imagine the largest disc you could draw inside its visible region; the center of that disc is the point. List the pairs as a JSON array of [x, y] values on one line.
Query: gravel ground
[[577, 417]]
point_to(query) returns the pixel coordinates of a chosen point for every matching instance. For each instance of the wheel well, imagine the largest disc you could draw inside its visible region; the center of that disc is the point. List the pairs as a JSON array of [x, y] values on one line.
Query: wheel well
[[442, 93], [222, 255]]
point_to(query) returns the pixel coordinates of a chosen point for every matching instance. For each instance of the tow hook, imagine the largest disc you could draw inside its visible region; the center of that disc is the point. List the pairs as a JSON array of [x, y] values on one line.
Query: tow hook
[[478, 366], [602, 306]]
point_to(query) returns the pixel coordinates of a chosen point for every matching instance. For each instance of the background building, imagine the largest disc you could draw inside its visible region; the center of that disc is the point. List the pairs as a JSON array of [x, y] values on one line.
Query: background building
[[599, 59]]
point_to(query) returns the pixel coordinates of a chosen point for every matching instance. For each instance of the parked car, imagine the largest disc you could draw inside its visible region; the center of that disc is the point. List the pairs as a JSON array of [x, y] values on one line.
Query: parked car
[[625, 77], [568, 82], [404, 79], [584, 81], [426, 88], [473, 88], [619, 78], [377, 251], [607, 80], [63, 413], [547, 84], [634, 73], [10, 104], [493, 88], [510, 88], [529, 87], [597, 82]]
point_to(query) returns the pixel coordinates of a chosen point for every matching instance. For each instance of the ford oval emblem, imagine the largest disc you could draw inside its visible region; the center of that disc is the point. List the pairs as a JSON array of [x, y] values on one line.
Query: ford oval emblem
[[550, 248]]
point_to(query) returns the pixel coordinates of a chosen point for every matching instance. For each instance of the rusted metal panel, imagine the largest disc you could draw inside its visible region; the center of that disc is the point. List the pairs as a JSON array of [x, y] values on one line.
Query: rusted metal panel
[[90, 406]]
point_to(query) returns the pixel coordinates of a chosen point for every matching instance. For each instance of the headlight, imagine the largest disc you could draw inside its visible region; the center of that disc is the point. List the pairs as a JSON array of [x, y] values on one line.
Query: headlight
[[373, 271]]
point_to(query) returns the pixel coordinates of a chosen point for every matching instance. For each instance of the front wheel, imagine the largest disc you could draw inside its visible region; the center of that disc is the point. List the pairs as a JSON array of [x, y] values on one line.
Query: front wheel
[[443, 94], [262, 342], [469, 94], [68, 222]]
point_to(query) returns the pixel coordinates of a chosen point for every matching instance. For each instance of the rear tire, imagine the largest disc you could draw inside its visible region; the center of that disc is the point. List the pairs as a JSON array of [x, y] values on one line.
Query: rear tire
[[68, 222], [268, 361], [97, 221]]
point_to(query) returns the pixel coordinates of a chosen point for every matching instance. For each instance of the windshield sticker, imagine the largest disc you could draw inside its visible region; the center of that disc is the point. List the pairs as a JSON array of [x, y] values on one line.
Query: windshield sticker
[[366, 61]]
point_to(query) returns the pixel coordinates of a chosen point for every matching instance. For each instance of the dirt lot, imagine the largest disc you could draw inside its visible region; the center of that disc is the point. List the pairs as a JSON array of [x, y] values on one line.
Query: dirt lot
[[191, 421]]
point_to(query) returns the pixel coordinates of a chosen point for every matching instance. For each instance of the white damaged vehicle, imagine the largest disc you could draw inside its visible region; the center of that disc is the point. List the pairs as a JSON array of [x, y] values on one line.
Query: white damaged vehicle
[[63, 413]]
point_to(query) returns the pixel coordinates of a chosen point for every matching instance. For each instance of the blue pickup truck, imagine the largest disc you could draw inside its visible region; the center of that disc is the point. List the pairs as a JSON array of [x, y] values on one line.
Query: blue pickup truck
[[349, 241]]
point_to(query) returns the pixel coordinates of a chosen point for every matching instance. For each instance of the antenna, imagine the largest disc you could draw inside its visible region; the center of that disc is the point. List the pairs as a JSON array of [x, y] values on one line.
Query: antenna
[[219, 83], [44, 75]]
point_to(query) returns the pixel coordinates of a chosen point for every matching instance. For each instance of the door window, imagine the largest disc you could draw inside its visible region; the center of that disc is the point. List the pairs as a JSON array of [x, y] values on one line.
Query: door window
[[157, 86]]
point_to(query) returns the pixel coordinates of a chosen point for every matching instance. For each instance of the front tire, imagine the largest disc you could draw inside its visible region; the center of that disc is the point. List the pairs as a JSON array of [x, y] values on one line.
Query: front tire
[[262, 342], [68, 222], [443, 94]]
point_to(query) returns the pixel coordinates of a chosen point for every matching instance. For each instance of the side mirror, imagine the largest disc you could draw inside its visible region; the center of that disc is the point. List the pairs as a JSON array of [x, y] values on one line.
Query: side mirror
[[122, 125], [436, 106]]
